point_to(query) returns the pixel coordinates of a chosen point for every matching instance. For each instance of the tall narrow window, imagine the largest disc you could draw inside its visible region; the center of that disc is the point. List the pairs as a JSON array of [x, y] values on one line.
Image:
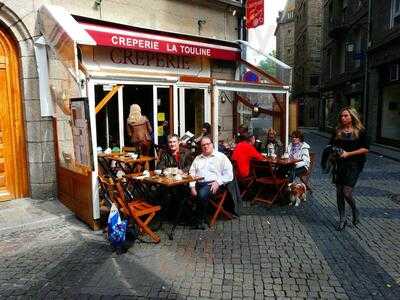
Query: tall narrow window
[[330, 63], [357, 55], [342, 58], [395, 13]]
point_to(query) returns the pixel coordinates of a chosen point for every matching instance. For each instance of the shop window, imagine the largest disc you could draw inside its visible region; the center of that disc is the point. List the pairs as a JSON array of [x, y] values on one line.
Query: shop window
[[330, 12], [330, 63], [314, 80], [358, 50], [342, 58], [311, 113], [355, 102], [395, 13], [390, 124], [394, 72]]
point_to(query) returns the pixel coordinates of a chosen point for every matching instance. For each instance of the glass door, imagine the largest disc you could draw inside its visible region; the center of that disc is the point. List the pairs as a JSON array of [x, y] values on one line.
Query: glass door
[[194, 109], [163, 113]]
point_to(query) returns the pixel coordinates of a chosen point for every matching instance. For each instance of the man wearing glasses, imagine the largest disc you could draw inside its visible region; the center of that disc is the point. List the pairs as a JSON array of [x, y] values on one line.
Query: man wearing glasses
[[216, 169]]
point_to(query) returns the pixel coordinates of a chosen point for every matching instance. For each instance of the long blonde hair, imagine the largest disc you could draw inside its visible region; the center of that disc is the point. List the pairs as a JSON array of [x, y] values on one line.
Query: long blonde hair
[[135, 114], [355, 122]]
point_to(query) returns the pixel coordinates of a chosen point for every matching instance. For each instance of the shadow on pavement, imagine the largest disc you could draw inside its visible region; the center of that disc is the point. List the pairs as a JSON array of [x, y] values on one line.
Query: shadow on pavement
[[357, 271], [82, 266]]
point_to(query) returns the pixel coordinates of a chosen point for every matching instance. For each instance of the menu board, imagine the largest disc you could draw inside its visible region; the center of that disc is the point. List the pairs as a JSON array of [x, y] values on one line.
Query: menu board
[[82, 140]]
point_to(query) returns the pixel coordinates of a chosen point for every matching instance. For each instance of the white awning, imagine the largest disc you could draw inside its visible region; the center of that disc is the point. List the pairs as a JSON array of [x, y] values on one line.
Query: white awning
[[62, 33]]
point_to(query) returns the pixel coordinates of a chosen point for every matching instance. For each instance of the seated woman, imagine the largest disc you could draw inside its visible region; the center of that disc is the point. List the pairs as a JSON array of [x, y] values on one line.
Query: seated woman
[[243, 153], [273, 144], [298, 149]]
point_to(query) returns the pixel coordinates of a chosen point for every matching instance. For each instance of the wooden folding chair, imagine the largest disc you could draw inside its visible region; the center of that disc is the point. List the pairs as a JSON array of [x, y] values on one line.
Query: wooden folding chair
[[265, 176], [244, 183], [139, 210], [218, 203], [305, 178]]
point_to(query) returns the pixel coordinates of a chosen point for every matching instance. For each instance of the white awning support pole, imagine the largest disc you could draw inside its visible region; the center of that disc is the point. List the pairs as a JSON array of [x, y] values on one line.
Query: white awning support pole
[[215, 109], [46, 104], [121, 117], [287, 120]]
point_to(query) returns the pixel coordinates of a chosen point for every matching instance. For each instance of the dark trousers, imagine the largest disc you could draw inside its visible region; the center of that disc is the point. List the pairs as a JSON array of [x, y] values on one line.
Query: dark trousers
[[203, 194]]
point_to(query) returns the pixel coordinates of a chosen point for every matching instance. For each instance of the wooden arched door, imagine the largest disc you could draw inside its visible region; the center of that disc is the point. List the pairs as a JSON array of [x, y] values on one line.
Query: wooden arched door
[[13, 166]]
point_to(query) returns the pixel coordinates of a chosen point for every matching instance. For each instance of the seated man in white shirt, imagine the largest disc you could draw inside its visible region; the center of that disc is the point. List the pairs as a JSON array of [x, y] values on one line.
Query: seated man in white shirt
[[216, 169]]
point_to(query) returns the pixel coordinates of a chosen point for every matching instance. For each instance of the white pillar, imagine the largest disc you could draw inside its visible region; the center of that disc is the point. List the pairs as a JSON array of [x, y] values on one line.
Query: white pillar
[[287, 121], [92, 112], [121, 117], [175, 106], [215, 105], [155, 114]]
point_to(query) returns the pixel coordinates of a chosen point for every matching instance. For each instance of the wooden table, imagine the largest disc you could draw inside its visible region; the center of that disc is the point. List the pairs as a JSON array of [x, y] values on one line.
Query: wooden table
[[272, 179], [143, 160], [281, 161], [164, 180], [169, 182]]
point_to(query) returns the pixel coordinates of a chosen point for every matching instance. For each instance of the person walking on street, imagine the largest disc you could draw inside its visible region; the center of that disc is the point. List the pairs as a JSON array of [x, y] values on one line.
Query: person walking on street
[[350, 135]]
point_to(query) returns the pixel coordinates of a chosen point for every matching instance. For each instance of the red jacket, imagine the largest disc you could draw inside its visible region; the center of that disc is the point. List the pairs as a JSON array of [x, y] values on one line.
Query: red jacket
[[243, 153]]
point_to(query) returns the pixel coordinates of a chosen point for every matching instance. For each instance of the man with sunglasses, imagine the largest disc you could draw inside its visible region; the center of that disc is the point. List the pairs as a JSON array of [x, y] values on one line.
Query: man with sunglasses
[[216, 169]]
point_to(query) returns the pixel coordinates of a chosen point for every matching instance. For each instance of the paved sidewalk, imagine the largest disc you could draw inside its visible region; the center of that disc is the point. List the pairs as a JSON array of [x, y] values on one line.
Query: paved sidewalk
[[267, 253], [27, 213]]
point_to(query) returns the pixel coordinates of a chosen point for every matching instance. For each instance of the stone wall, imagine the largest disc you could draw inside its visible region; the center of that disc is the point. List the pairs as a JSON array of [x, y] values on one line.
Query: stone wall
[[307, 59], [285, 42]]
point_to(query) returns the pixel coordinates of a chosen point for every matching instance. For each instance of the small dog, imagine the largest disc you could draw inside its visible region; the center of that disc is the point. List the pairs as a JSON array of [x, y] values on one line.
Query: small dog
[[297, 193]]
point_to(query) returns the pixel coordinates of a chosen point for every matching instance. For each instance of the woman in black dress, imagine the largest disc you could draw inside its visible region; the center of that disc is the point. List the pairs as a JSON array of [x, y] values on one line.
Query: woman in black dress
[[350, 135]]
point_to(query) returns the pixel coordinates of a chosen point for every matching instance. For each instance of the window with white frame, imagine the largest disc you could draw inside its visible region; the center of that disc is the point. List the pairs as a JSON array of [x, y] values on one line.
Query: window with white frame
[[395, 13]]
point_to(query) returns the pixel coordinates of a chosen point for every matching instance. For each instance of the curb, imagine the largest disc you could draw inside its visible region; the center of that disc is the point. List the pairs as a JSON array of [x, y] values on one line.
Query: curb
[[36, 224]]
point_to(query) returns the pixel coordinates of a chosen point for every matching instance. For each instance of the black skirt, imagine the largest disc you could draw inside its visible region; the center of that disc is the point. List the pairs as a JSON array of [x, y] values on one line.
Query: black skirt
[[347, 172]]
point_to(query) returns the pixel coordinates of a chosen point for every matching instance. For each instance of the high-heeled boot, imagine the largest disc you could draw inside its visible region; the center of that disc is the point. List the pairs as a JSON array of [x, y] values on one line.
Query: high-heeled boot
[[342, 224], [356, 217]]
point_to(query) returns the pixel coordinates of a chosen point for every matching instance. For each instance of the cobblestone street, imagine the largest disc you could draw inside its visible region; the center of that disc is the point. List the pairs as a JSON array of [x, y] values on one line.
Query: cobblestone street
[[266, 253]]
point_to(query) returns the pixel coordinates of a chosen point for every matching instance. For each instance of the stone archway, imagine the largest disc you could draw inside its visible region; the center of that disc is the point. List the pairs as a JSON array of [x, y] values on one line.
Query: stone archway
[[13, 163]]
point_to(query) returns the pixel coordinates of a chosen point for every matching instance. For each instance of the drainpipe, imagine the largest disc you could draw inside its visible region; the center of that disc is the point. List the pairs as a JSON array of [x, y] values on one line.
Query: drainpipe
[[46, 104], [366, 74]]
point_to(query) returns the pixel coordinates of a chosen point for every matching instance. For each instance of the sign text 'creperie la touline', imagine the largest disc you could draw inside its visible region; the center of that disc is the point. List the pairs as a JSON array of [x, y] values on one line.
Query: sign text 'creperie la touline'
[[173, 48], [128, 39]]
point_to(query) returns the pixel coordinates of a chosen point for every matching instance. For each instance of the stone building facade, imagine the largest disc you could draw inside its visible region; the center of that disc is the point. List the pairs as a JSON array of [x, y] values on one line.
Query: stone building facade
[[284, 34], [19, 20], [345, 33], [307, 60], [383, 106]]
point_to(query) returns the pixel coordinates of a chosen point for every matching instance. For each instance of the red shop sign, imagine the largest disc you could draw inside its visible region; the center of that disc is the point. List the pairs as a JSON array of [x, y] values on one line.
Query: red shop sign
[[114, 37]]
